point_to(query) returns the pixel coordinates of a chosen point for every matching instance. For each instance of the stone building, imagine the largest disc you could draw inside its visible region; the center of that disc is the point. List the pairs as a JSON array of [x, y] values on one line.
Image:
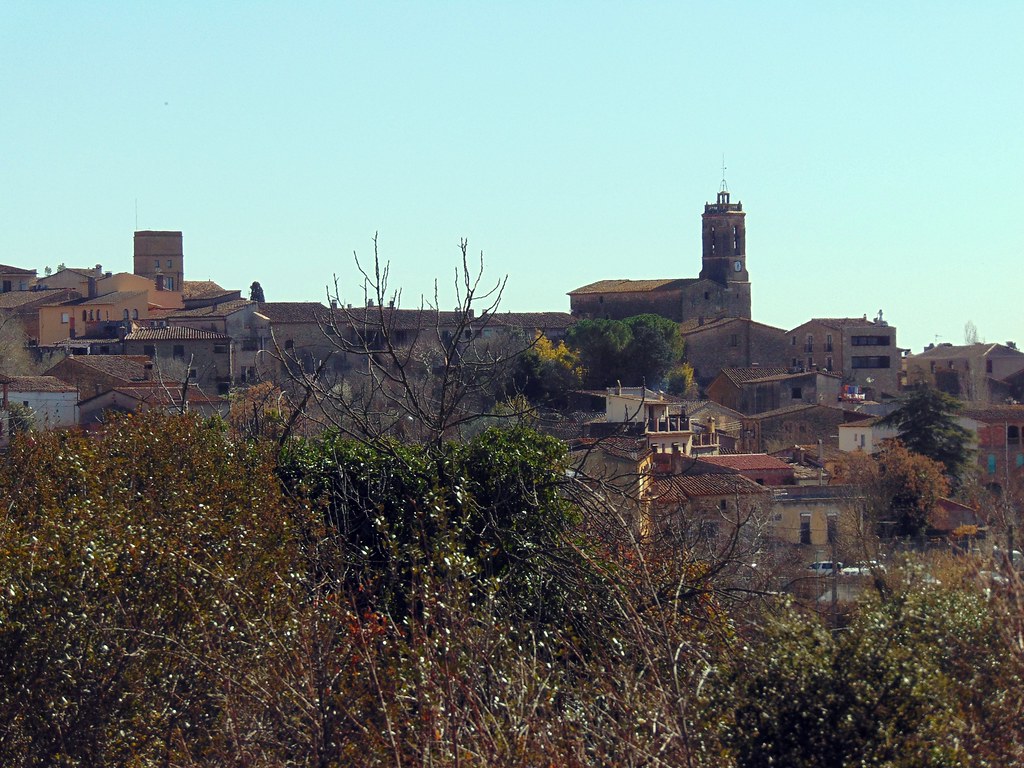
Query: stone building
[[862, 351], [795, 424], [980, 373], [736, 341], [204, 356], [722, 289], [756, 390], [159, 257]]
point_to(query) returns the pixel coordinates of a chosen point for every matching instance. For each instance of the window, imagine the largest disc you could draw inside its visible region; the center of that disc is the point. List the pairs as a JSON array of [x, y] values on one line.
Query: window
[[64, 318], [135, 314], [168, 283], [289, 344], [879, 361], [712, 241], [157, 264], [1013, 435], [85, 315], [168, 263], [149, 350], [988, 366], [809, 344], [792, 341], [871, 341], [796, 363], [797, 393], [220, 349], [735, 240], [805, 527], [991, 464], [828, 363], [832, 529], [125, 315], [706, 295], [828, 343], [179, 351], [223, 388], [734, 340], [1020, 460], [932, 365]]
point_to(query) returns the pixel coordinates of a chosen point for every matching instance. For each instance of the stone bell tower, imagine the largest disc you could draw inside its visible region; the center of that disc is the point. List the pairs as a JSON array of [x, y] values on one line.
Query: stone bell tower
[[159, 256], [724, 258]]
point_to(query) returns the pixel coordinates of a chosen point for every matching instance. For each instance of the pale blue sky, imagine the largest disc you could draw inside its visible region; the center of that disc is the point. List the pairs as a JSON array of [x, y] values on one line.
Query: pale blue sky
[[877, 147]]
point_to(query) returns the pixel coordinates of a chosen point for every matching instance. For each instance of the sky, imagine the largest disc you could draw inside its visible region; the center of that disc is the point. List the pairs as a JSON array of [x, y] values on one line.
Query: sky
[[877, 148]]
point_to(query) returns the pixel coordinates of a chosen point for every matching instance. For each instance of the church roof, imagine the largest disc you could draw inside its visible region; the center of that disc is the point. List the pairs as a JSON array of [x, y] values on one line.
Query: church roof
[[630, 286]]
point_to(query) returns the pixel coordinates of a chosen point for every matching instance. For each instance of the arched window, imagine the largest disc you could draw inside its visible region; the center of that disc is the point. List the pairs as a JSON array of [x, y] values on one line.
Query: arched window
[[135, 314], [991, 463], [126, 314], [1013, 435], [85, 315]]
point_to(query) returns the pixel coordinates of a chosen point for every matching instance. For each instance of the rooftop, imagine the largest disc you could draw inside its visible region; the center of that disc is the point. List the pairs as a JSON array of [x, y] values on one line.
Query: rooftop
[[678, 489], [175, 334], [36, 384], [630, 286]]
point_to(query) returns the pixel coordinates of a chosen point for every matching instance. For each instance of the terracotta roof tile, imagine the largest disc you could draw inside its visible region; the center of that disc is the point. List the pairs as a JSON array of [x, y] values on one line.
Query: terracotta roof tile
[[124, 367], [175, 334], [293, 311], [18, 299], [215, 310], [630, 286], [37, 384], [745, 462], [743, 375], [539, 320], [197, 289], [678, 489]]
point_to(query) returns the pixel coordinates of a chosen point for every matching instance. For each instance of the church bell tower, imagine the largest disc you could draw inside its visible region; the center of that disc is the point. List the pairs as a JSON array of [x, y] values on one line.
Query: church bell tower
[[725, 240]]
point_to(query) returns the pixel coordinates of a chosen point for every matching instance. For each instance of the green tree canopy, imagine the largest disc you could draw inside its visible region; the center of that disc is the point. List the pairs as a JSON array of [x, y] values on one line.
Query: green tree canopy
[[642, 349], [896, 688], [926, 420]]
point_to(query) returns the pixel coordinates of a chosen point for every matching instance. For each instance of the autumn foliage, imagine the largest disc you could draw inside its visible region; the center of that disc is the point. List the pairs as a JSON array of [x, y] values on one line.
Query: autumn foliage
[[173, 595]]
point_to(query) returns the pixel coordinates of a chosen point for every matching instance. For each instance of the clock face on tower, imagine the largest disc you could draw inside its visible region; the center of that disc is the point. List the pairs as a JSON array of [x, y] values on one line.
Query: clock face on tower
[[738, 266]]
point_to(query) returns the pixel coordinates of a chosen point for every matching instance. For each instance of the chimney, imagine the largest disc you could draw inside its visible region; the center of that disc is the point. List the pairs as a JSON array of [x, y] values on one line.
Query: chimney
[[334, 303], [147, 371]]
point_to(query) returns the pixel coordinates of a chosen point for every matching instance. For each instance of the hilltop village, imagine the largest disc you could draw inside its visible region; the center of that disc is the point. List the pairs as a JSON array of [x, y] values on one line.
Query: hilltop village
[[650, 530], [759, 417]]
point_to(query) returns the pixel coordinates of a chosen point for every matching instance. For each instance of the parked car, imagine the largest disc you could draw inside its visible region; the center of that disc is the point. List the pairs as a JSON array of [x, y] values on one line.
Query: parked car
[[823, 567]]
